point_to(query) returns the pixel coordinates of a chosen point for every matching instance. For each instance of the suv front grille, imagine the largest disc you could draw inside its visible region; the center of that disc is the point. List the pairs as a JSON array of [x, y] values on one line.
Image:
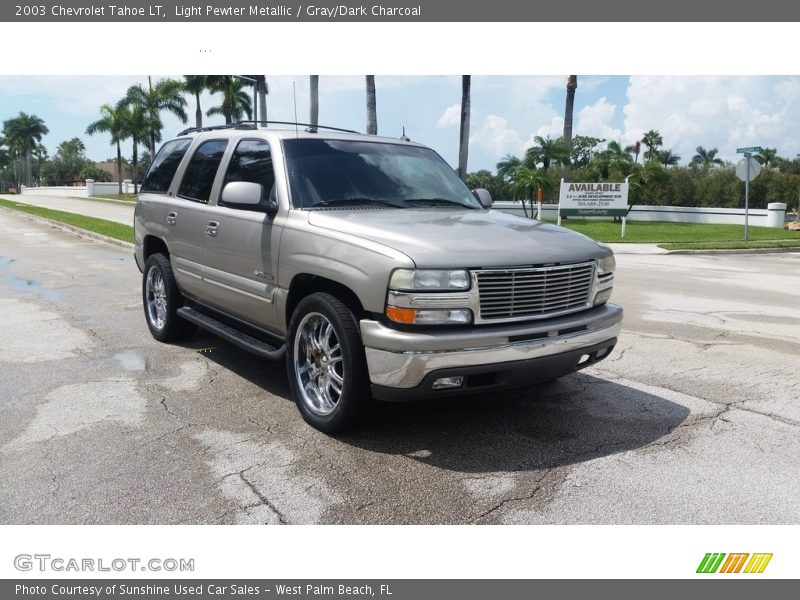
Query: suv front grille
[[534, 293]]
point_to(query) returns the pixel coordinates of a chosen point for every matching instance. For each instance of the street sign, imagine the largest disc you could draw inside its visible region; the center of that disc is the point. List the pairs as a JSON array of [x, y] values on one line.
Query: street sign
[[749, 150], [741, 169]]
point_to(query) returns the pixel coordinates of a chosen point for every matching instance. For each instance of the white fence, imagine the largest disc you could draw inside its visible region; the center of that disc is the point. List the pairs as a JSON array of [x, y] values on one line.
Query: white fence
[[92, 188], [772, 216]]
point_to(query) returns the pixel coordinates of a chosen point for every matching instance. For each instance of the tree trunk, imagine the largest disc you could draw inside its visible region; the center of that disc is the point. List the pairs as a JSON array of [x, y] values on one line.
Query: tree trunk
[[154, 119], [372, 115], [313, 115], [28, 164], [463, 143], [572, 85], [135, 165], [261, 82], [119, 168], [198, 113]]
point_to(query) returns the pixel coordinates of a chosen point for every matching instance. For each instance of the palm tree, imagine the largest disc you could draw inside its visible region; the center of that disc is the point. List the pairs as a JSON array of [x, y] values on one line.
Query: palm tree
[[196, 85], [113, 120], [615, 161], [507, 166], [40, 154], [526, 182], [706, 158], [652, 139], [136, 128], [572, 85], [165, 95], [235, 104], [263, 89], [668, 158], [546, 151], [372, 115], [313, 107], [767, 156], [463, 138], [634, 149], [23, 132]]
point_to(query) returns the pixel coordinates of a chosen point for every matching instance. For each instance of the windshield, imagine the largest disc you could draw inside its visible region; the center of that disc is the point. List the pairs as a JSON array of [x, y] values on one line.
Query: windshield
[[344, 172]]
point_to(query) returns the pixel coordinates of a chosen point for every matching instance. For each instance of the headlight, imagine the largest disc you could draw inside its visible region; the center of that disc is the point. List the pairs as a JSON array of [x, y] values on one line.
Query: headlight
[[604, 280], [429, 280], [606, 265]]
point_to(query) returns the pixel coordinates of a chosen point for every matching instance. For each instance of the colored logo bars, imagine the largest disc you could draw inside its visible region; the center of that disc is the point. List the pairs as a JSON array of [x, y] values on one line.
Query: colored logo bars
[[713, 562]]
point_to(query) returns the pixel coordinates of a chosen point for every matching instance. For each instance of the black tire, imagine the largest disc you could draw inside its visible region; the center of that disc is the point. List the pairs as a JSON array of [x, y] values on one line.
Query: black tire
[[172, 328], [355, 398]]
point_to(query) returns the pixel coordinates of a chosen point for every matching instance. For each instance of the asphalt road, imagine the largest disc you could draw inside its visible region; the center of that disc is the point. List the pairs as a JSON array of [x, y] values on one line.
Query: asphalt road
[[693, 419]]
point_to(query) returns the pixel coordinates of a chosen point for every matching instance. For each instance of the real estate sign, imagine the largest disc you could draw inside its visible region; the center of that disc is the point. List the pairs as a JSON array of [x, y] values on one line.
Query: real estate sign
[[593, 199]]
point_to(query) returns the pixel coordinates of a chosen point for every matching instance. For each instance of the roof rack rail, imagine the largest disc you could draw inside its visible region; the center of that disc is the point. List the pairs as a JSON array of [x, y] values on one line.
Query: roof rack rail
[[249, 124]]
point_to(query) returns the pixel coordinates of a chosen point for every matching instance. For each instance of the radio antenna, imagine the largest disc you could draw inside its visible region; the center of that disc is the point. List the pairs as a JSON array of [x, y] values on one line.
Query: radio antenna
[[294, 95]]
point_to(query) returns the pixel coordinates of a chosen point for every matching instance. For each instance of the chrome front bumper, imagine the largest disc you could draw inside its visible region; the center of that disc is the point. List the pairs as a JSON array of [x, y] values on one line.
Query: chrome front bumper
[[400, 359]]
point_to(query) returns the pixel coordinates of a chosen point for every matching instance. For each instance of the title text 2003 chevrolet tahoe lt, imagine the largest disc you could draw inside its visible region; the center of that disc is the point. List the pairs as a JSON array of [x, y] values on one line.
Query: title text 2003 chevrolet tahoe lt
[[366, 263]]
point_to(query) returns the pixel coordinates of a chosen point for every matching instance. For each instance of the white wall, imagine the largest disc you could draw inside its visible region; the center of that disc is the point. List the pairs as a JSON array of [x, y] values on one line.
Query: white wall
[[759, 217], [92, 188]]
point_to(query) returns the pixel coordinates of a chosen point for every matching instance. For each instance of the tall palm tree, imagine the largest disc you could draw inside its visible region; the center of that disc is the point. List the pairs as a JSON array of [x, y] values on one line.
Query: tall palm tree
[[668, 158], [263, 90], [526, 182], [652, 139], [572, 85], [372, 114], [313, 110], [136, 128], [24, 131], [706, 158], [546, 151], [463, 138], [113, 120], [767, 156], [40, 154], [235, 103], [196, 85], [165, 96], [634, 149]]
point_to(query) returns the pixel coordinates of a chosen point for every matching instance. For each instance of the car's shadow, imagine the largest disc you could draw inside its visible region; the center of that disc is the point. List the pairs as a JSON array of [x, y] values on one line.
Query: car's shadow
[[575, 419]]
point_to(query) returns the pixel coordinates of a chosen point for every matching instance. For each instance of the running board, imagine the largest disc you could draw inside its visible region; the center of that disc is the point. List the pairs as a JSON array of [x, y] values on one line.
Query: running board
[[232, 335]]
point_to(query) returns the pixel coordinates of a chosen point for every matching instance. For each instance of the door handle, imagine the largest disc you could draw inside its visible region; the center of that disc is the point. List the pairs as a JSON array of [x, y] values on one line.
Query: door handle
[[211, 228], [172, 218]]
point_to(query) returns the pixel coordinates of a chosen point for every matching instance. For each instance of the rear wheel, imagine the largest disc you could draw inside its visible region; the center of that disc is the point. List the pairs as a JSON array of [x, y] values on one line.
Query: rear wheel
[[326, 365], [162, 299]]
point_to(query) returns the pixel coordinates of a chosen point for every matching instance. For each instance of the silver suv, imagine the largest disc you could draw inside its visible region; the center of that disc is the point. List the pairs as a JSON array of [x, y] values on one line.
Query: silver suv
[[367, 265]]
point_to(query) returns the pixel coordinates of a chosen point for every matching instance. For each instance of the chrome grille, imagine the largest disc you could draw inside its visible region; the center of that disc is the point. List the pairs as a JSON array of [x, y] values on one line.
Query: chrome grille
[[534, 293]]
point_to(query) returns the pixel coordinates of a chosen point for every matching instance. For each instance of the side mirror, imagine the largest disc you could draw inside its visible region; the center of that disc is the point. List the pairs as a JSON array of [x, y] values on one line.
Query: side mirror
[[484, 197], [242, 193]]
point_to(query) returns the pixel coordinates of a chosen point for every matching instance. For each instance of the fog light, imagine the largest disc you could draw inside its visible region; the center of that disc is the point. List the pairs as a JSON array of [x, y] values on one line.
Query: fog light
[[602, 297], [447, 383]]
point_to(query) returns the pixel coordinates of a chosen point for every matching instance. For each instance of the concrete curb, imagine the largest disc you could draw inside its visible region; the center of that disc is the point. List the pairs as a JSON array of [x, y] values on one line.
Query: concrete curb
[[101, 199], [737, 251], [98, 237]]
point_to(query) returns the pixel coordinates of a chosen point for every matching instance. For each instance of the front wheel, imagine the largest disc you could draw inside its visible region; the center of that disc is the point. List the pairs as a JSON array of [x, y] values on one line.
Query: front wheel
[[162, 298], [326, 365]]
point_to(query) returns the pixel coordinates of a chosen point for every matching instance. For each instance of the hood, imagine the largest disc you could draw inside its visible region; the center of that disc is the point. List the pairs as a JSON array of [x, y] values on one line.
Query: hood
[[462, 238]]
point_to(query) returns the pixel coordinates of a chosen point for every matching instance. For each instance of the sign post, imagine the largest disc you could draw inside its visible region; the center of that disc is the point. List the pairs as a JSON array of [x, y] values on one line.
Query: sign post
[[748, 168], [594, 200]]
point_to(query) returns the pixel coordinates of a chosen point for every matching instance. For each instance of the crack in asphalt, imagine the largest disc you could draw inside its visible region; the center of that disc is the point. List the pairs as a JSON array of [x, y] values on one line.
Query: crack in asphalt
[[263, 500], [509, 499]]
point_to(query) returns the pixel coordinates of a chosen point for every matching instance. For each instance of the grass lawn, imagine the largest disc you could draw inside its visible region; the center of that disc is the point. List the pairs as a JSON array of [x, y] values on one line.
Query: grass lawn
[[684, 235], [120, 197], [115, 230]]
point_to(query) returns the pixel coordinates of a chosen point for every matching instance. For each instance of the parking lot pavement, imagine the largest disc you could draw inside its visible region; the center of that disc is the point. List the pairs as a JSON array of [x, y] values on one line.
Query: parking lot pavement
[[118, 212], [693, 419]]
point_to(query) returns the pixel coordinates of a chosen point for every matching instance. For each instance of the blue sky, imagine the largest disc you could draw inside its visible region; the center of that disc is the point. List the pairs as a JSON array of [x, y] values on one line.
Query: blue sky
[[507, 111]]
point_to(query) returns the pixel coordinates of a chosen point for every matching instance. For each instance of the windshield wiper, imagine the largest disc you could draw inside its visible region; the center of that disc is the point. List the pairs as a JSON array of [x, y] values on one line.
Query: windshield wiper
[[355, 201], [437, 202]]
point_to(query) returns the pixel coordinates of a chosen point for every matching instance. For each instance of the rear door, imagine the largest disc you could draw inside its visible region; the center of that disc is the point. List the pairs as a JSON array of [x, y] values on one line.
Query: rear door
[[241, 255], [189, 218]]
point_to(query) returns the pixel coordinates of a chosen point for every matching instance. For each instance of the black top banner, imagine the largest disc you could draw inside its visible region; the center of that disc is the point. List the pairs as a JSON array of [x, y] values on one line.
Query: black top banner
[[397, 10]]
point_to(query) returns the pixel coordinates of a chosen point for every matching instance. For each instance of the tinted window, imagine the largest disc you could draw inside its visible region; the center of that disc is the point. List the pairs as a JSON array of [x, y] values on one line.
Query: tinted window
[[163, 168], [327, 172], [252, 161], [202, 169]]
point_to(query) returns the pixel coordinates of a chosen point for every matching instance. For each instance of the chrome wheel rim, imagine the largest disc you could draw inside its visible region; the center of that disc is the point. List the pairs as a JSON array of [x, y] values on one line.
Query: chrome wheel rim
[[318, 364], [156, 298]]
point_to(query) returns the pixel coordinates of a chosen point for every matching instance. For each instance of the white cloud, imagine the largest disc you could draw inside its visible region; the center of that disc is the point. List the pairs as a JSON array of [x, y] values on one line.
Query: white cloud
[[451, 117], [554, 129], [497, 138], [594, 120], [725, 112]]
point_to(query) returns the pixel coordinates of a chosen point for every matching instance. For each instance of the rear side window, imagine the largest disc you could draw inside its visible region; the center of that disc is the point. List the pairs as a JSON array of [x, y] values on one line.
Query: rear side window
[[252, 161], [163, 168], [202, 169]]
